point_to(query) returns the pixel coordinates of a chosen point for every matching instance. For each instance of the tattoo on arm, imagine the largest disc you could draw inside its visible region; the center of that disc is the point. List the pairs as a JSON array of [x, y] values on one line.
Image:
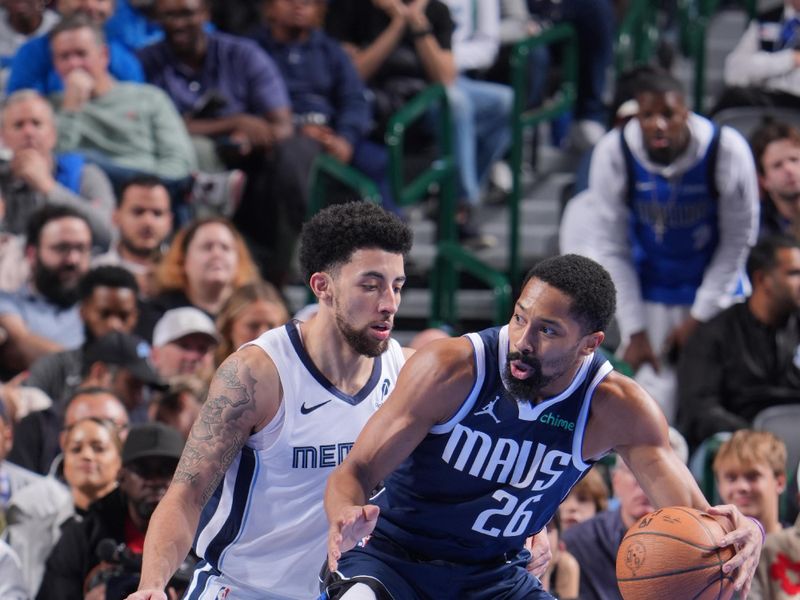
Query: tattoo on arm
[[220, 430]]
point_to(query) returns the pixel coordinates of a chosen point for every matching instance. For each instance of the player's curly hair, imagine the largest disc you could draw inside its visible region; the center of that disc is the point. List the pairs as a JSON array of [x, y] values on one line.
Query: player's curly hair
[[594, 297], [331, 237]]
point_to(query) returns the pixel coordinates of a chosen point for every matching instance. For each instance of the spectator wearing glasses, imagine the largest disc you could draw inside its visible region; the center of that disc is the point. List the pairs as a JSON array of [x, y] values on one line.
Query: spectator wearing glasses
[[43, 315]]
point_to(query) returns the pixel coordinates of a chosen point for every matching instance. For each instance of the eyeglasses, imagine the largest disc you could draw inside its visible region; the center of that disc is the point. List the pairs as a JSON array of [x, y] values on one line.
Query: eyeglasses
[[64, 249]]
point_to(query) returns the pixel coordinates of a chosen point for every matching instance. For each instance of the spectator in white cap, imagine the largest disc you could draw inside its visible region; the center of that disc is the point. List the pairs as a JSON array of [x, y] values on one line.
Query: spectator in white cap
[[184, 340]]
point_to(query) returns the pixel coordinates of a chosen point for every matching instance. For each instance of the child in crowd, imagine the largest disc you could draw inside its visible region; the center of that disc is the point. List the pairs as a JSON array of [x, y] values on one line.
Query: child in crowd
[[750, 470], [585, 500]]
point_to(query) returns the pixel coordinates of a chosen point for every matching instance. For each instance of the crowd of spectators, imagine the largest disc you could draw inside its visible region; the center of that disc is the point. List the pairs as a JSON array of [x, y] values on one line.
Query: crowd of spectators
[[154, 178]]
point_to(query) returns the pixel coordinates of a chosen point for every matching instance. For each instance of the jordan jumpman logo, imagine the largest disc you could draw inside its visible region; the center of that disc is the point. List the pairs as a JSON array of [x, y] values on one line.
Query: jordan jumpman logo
[[489, 410]]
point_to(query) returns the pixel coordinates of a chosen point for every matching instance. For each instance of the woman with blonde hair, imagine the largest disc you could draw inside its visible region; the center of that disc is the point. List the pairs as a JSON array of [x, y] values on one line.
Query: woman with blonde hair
[[207, 261], [250, 311]]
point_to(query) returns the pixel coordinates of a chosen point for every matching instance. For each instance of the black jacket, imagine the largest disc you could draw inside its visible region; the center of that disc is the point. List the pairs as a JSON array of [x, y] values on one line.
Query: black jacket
[[75, 554], [732, 368]]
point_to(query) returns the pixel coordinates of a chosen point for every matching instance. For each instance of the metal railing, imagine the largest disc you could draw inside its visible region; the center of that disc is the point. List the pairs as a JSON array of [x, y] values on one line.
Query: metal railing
[[562, 101], [450, 256], [325, 168], [637, 37], [695, 16]]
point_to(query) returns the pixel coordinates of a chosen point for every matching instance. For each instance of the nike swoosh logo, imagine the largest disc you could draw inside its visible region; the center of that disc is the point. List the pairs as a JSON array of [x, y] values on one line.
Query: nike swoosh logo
[[304, 410]]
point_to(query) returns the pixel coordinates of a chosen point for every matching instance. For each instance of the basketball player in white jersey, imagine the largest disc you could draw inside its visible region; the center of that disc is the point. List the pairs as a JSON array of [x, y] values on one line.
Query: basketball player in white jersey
[[281, 413]]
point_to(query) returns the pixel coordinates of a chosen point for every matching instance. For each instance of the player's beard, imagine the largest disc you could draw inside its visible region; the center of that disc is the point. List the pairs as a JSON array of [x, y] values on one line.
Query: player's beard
[[530, 388], [359, 339]]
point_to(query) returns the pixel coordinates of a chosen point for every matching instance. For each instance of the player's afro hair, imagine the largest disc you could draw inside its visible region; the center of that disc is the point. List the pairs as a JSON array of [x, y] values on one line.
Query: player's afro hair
[[331, 237], [593, 294]]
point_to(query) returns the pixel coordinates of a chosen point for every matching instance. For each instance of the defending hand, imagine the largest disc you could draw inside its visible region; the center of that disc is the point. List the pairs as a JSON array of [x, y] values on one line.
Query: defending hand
[[354, 523]]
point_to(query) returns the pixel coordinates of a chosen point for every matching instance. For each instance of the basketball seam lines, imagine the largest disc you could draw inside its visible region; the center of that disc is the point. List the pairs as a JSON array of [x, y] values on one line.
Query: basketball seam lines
[[717, 550], [712, 549], [721, 581], [669, 574]]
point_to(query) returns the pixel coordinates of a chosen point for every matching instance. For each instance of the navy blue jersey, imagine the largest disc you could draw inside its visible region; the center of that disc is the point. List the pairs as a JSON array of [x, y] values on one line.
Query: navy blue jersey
[[478, 485], [674, 226]]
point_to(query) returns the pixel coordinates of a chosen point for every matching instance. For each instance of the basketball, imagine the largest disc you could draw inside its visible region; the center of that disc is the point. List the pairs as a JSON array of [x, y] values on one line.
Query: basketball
[[672, 553]]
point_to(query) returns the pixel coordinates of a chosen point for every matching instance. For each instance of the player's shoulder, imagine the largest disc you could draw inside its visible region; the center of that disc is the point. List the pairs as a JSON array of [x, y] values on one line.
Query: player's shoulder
[[619, 399], [253, 369], [619, 394], [447, 350], [256, 358], [443, 359]]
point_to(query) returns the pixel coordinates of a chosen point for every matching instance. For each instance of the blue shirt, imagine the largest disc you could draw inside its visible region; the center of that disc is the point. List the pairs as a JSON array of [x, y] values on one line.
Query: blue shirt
[[478, 485], [235, 68], [674, 227], [594, 544], [131, 27], [321, 79], [61, 325], [32, 67]]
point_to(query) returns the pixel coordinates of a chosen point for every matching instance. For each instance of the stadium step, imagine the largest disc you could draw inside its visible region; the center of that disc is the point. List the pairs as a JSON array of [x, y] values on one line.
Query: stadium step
[[540, 212]]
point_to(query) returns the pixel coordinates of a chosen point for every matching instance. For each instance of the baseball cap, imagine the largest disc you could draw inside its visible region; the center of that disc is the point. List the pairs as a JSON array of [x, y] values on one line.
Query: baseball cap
[[152, 440], [124, 350], [178, 322]]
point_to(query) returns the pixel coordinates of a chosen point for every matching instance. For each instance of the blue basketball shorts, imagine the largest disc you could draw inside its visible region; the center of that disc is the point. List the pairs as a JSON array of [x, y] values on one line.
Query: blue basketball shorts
[[384, 565]]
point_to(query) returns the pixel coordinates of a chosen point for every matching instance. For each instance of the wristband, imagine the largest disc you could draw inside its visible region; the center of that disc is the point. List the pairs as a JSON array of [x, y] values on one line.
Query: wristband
[[415, 35], [761, 529]]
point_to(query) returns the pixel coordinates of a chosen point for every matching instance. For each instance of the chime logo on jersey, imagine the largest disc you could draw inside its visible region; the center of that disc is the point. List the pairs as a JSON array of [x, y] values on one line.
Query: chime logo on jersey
[[550, 418], [504, 460]]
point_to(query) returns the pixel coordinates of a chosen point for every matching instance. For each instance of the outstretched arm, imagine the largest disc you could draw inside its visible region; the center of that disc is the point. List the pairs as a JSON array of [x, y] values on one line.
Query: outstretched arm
[[244, 396], [663, 476], [431, 387]]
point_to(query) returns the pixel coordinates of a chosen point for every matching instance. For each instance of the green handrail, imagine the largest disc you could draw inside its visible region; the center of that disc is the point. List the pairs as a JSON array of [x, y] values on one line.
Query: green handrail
[[637, 36], [327, 167], [695, 16], [441, 171], [561, 102], [451, 258]]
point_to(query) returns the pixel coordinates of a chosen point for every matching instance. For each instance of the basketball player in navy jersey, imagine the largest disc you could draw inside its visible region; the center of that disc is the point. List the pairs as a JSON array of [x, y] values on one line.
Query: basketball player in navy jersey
[[281, 413], [481, 440]]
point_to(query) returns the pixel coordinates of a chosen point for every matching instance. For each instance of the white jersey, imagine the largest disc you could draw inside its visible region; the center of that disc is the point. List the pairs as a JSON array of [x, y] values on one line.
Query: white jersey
[[265, 531]]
